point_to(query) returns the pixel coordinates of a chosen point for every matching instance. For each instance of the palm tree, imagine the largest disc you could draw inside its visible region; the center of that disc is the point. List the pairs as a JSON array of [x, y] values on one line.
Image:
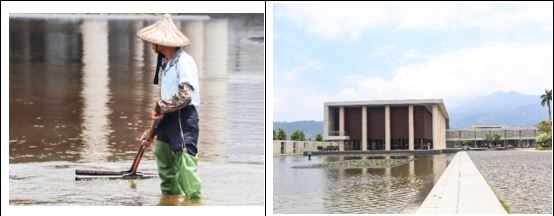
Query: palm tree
[[545, 99]]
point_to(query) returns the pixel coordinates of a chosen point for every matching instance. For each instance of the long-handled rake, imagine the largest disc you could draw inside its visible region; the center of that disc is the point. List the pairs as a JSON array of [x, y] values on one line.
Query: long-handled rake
[[126, 174]]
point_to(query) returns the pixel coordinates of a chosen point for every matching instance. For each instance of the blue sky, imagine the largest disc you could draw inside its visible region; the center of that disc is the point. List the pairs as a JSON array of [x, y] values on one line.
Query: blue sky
[[425, 50]]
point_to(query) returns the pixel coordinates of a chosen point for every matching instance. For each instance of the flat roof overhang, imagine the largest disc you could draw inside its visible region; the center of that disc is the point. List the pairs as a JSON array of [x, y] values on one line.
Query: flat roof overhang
[[422, 102], [336, 138]]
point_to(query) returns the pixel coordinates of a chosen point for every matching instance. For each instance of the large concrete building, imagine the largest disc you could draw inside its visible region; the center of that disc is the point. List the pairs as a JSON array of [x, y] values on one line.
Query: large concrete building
[[476, 136], [386, 124]]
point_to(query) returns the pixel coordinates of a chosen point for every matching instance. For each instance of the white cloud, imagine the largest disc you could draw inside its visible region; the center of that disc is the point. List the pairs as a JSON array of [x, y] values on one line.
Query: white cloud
[[411, 53], [384, 50], [349, 19], [306, 65], [465, 73], [332, 20], [293, 104], [279, 105], [492, 59], [511, 15], [291, 101], [535, 12], [427, 15]]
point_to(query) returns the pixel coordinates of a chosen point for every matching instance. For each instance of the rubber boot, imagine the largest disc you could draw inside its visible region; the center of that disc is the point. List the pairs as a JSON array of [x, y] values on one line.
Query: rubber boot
[[178, 172]]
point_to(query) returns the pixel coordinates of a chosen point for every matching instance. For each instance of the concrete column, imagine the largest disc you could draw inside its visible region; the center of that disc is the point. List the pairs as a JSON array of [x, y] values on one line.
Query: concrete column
[[327, 119], [364, 128], [341, 127], [435, 113], [411, 127], [442, 136], [387, 127]]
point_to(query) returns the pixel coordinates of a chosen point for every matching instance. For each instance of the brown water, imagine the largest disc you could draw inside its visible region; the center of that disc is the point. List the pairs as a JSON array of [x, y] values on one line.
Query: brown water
[[80, 91], [395, 190]]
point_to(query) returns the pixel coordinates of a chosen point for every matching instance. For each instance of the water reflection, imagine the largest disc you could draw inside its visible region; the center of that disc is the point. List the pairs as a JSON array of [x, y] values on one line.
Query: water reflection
[[399, 189], [109, 100], [195, 32], [95, 93], [44, 91], [214, 88]]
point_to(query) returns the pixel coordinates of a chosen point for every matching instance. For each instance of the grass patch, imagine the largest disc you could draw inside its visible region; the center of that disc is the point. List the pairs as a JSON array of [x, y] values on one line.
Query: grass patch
[[502, 202], [543, 148], [504, 205], [373, 163]]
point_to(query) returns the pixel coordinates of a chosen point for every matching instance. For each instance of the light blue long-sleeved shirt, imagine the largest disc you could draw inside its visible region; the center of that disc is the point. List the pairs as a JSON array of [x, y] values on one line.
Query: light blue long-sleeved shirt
[[180, 69]]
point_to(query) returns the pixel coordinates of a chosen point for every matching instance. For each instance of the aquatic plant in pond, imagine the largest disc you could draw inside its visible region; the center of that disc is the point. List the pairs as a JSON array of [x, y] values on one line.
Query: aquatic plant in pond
[[369, 163]]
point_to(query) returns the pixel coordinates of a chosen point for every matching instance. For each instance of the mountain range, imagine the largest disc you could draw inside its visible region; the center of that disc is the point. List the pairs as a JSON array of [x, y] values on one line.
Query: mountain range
[[511, 109]]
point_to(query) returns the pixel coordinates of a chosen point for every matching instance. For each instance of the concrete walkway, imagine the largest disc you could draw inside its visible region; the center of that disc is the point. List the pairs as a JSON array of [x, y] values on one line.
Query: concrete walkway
[[461, 190]]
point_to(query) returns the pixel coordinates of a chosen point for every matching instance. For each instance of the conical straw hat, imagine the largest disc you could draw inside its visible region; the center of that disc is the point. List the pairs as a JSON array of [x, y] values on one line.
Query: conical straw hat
[[164, 32]]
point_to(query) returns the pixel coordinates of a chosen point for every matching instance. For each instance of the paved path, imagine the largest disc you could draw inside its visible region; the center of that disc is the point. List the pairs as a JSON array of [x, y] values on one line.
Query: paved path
[[522, 178], [461, 190]]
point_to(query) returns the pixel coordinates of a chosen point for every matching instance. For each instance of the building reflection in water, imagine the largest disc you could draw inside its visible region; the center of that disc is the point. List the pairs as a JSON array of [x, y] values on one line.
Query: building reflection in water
[[209, 42], [95, 92], [411, 172], [194, 29], [438, 166], [43, 90], [138, 75], [377, 190], [81, 89]]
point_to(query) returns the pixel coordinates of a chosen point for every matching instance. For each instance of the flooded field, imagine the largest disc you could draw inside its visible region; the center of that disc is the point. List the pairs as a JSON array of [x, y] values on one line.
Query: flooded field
[[80, 92]]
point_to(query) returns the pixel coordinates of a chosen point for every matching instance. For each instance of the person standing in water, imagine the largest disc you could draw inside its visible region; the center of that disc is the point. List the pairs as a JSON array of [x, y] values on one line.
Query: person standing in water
[[177, 132]]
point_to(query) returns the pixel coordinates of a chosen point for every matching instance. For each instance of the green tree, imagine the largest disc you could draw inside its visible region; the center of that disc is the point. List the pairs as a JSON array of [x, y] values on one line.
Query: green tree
[[274, 135], [319, 137], [544, 139], [496, 139], [545, 126], [488, 139], [545, 99], [492, 139], [281, 135], [298, 135]]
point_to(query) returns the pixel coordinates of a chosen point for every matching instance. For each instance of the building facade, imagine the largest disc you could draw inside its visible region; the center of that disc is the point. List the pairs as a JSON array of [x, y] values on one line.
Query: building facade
[[386, 124], [476, 137], [287, 147]]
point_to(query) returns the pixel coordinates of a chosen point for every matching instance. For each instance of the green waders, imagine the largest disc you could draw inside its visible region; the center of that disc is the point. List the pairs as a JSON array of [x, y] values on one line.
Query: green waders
[[178, 171]]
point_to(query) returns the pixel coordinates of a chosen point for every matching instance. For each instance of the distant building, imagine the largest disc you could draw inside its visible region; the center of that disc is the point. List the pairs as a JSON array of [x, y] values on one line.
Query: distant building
[[476, 136], [285, 147], [386, 124]]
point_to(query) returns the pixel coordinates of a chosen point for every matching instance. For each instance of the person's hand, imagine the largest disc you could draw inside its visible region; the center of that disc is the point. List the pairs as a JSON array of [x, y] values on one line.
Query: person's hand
[[157, 113], [144, 140]]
